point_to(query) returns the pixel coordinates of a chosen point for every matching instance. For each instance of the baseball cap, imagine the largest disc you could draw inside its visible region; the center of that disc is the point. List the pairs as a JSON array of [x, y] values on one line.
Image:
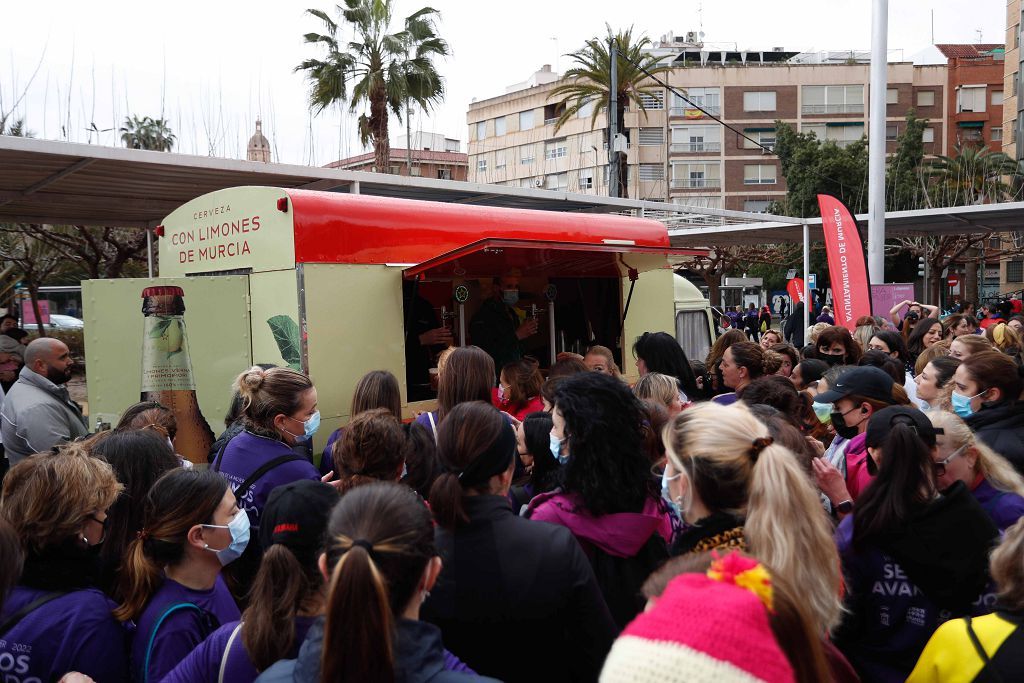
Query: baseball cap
[[881, 424], [866, 381], [296, 516]]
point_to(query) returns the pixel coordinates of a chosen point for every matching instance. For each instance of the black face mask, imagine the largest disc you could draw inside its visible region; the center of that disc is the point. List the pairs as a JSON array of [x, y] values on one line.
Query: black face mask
[[842, 429], [833, 358]]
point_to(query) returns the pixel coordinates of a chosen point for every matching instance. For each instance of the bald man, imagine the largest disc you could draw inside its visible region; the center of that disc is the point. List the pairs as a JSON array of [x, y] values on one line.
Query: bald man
[[38, 413]]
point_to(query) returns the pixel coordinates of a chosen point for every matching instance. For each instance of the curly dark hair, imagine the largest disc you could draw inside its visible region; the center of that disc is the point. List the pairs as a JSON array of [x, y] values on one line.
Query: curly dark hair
[[608, 466]]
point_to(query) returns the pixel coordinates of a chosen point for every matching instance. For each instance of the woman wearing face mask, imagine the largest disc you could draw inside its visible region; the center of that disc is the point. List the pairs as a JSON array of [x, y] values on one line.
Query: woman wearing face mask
[[518, 392], [855, 397], [986, 394], [171, 579], [57, 506], [736, 488], [534, 446], [961, 456], [911, 555], [836, 346], [504, 575], [742, 363], [934, 387]]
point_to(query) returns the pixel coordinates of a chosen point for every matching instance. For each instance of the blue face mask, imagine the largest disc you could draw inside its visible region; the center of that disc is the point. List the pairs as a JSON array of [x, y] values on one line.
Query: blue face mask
[[510, 296], [239, 528], [556, 448], [309, 428], [962, 404]]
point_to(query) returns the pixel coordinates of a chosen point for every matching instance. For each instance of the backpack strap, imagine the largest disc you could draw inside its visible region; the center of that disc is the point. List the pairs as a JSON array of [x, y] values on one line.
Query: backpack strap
[[205, 617], [433, 425], [218, 460], [263, 469], [987, 665], [12, 621], [227, 652]]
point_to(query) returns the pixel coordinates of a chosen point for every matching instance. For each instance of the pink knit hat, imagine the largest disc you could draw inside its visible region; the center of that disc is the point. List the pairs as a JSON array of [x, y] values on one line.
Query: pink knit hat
[[703, 630]]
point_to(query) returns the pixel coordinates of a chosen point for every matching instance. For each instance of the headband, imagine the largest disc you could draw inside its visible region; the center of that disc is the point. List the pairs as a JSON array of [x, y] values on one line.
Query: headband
[[492, 461]]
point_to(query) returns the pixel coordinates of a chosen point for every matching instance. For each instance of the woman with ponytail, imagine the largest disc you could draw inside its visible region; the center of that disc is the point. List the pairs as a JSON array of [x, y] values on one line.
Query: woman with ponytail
[[742, 363], [737, 489], [506, 576], [911, 556], [56, 619], [379, 564], [287, 595], [171, 578]]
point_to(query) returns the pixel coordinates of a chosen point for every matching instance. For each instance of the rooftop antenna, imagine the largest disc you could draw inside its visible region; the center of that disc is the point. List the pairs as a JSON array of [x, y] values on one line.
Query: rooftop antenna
[[700, 20], [978, 31], [933, 27]]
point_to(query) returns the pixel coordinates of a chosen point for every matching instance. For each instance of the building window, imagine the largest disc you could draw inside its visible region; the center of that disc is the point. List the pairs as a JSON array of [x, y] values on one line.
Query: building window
[[928, 135], [997, 98], [556, 181], [696, 139], [553, 112], [526, 154], [696, 175], [926, 98], [481, 165], [586, 111], [444, 174], [652, 172], [652, 137], [652, 100], [997, 134], [756, 139], [499, 160], [587, 179], [526, 120], [481, 130], [707, 99], [395, 170], [1015, 270], [758, 174], [841, 134], [892, 96], [892, 131], [970, 98], [759, 101], [833, 99], [415, 171], [555, 149], [500, 126], [971, 135], [756, 205]]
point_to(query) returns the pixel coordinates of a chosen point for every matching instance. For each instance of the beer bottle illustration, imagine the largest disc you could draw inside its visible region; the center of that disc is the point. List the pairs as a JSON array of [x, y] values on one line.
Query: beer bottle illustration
[[167, 369]]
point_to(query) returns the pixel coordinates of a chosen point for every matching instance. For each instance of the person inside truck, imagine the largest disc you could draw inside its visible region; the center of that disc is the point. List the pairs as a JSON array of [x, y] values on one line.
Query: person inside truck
[[497, 327]]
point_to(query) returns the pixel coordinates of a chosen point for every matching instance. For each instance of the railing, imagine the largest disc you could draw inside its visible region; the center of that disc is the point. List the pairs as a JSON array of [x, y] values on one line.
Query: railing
[[759, 181], [682, 147], [548, 122], [690, 183], [833, 108]]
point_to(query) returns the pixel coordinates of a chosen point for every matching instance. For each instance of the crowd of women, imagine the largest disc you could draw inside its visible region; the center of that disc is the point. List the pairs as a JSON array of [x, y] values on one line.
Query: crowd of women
[[843, 511]]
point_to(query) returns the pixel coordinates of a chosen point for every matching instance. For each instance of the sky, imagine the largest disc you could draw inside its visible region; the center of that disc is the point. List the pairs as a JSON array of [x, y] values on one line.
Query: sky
[[211, 67]]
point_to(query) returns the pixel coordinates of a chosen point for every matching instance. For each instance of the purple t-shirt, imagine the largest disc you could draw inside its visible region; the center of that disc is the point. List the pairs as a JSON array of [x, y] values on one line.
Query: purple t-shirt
[[182, 630], [247, 452], [75, 632], [726, 399], [327, 459], [203, 664]]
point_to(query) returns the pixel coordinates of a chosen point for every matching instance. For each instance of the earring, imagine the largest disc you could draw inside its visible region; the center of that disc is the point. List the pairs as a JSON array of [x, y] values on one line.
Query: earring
[[424, 595]]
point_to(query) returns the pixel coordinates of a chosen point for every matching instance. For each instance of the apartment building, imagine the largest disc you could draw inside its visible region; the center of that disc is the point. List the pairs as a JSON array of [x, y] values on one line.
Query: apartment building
[[975, 81], [675, 150], [433, 156], [1013, 98]]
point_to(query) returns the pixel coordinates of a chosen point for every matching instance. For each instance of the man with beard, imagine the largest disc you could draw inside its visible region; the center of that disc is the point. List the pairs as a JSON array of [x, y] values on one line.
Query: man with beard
[[38, 413]]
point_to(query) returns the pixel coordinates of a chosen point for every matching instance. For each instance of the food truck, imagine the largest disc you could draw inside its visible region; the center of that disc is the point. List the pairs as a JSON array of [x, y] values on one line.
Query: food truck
[[324, 282]]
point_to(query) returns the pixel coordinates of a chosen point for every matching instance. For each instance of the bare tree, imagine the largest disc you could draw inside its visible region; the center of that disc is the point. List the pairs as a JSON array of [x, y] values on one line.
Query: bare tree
[[35, 260], [722, 260]]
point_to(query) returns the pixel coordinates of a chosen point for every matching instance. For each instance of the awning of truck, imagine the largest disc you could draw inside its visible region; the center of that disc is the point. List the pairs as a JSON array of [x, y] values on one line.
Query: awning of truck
[[492, 257]]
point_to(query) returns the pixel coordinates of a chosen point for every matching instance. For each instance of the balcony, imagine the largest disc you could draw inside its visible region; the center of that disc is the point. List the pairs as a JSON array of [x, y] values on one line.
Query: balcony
[[694, 113], [695, 183], [759, 181], [550, 122], [691, 147], [811, 109]]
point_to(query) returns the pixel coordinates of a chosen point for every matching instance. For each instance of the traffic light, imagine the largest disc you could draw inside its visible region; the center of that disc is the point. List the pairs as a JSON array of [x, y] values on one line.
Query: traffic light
[[920, 266]]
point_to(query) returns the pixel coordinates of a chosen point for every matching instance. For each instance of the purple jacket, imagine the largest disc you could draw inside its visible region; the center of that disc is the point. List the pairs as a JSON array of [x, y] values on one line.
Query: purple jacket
[[203, 664], [620, 534], [1004, 508], [75, 632], [244, 454], [182, 630], [327, 459]]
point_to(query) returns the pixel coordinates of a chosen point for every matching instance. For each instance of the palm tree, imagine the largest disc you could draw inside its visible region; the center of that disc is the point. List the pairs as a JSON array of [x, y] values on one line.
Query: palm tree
[[589, 82], [387, 72], [973, 175], [147, 133]]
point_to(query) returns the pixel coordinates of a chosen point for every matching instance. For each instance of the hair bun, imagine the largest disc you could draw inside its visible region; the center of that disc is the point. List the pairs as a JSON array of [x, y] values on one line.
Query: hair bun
[[252, 379]]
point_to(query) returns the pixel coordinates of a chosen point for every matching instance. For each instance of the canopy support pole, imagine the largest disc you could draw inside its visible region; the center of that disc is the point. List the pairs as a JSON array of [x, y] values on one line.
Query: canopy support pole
[[807, 267]]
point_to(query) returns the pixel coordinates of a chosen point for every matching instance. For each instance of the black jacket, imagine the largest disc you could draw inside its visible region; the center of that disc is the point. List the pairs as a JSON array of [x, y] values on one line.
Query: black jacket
[[794, 329], [493, 329], [1001, 428], [517, 599]]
